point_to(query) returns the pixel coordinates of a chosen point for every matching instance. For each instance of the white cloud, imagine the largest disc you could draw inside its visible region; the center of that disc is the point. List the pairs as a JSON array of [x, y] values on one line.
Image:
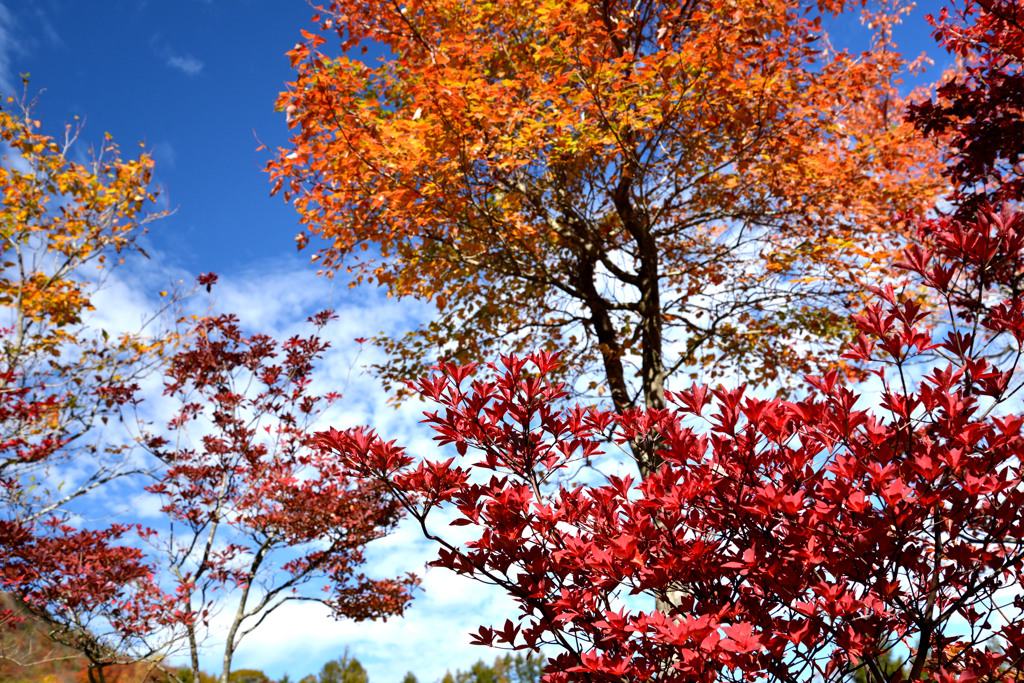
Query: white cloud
[[185, 63], [146, 506]]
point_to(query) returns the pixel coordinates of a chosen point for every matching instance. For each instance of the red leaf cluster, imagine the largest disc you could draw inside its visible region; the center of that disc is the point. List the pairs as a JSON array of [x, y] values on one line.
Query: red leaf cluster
[[982, 107], [784, 539], [255, 511]]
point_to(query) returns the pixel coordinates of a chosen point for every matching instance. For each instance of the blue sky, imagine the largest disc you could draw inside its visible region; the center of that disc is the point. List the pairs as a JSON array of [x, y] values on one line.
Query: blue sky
[[196, 81]]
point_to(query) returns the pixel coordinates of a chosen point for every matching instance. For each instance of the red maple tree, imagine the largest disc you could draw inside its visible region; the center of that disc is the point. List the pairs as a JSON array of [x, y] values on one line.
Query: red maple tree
[[256, 514], [981, 109], [788, 539]]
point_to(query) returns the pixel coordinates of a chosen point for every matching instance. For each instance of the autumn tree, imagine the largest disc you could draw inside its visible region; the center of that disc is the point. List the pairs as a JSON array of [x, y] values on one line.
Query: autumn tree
[[248, 676], [255, 514], [981, 110], [263, 514], [782, 540], [787, 540], [654, 188], [64, 226]]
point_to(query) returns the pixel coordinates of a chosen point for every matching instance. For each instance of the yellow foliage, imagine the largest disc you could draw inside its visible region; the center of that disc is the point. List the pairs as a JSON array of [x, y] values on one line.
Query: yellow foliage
[[63, 226]]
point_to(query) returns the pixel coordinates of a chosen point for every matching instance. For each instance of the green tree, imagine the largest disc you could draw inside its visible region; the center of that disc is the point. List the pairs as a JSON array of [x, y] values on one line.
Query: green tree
[[524, 668], [344, 669], [483, 673], [248, 676], [410, 677]]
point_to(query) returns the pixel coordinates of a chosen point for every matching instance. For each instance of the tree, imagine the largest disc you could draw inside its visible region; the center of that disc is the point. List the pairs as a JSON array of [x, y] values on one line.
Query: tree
[[981, 110], [791, 540], [523, 668], [409, 677], [252, 508], [507, 669], [63, 227], [344, 669], [481, 672], [248, 676], [787, 540], [653, 188]]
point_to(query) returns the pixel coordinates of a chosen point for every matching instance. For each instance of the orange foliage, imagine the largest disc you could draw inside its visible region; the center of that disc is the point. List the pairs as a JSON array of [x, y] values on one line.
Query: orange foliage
[[680, 186], [27, 654], [62, 226]]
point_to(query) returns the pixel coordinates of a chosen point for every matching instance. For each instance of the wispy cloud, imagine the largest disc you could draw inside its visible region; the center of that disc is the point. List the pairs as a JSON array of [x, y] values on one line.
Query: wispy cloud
[[185, 63], [8, 45], [165, 155]]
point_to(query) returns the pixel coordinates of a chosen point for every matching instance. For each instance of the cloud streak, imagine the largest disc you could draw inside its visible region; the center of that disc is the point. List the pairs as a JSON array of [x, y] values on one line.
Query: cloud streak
[[185, 63], [8, 45]]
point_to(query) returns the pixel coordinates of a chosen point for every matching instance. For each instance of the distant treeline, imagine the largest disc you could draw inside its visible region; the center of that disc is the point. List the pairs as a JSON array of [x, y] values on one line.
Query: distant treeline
[[28, 655], [347, 669]]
